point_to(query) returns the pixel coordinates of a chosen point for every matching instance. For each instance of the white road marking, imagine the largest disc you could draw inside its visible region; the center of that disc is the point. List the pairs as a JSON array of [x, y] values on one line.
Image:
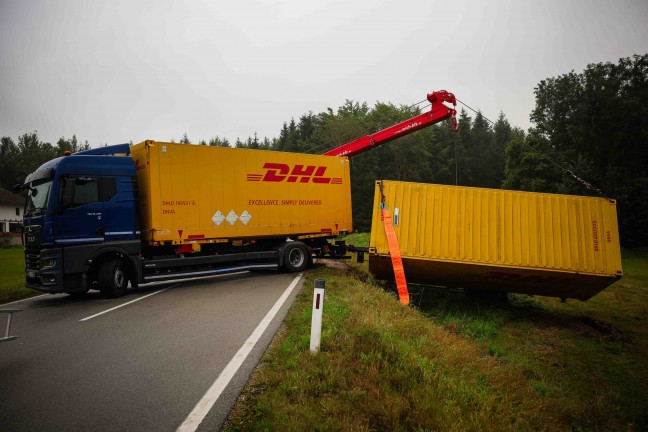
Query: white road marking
[[198, 414], [142, 285], [125, 304]]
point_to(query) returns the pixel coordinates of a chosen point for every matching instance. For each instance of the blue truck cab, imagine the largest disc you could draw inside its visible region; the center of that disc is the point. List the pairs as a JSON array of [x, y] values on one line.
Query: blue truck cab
[[81, 223]]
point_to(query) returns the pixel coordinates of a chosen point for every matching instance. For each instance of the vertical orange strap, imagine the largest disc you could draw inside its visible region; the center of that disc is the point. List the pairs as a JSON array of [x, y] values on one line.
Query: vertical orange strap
[[397, 262]]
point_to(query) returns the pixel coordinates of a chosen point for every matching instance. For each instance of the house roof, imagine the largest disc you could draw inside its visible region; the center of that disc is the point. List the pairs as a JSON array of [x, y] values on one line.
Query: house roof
[[9, 198]]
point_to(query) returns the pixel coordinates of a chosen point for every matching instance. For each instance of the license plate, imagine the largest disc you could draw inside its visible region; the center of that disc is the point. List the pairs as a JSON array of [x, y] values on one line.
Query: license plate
[[31, 273]]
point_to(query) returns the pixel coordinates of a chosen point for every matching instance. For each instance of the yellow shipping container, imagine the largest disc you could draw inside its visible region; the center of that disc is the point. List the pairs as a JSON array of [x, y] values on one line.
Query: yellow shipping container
[[499, 240], [201, 194]]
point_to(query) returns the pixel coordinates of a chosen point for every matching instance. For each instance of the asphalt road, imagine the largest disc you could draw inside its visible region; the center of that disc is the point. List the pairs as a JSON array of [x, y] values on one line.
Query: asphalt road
[[141, 367]]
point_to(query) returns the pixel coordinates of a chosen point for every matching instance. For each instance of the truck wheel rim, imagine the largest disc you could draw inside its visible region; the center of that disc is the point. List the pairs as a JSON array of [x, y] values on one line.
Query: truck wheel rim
[[296, 257], [119, 278]]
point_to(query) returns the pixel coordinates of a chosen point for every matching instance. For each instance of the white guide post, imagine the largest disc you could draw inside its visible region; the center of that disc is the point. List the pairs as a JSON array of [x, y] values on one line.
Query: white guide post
[[316, 323]]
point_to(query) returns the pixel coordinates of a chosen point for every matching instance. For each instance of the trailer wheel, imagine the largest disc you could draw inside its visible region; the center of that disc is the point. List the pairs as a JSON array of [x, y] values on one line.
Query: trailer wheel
[[113, 279], [296, 257]]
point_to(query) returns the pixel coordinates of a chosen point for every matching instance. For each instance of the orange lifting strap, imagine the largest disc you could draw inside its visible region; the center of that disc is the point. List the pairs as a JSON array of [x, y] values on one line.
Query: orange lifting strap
[[394, 252]]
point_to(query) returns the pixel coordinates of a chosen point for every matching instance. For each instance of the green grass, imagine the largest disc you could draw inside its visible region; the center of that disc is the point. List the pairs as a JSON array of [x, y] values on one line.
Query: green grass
[[454, 363], [381, 367], [12, 275], [357, 239]]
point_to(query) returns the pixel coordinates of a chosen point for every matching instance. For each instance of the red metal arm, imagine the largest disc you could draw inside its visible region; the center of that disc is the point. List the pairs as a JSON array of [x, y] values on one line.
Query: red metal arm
[[437, 113]]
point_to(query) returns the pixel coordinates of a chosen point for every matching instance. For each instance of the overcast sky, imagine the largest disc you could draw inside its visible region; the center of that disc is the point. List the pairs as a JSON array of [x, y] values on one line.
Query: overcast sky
[[118, 71]]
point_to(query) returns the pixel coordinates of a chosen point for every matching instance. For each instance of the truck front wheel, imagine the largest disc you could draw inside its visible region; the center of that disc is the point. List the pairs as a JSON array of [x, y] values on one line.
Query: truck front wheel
[[296, 257], [113, 279]]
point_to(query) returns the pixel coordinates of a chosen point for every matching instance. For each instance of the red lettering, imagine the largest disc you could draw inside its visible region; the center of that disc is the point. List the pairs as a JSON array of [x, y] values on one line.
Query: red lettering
[[277, 172], [595, 235], [318, 176], [300, 171], [273, 169]]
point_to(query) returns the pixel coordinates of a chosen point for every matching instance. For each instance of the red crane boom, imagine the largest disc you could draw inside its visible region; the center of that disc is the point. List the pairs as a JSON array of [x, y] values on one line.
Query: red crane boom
[[438, 112]]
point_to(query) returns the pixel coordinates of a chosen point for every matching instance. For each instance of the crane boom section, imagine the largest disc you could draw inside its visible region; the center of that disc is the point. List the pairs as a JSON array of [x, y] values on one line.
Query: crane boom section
[[438, 112]]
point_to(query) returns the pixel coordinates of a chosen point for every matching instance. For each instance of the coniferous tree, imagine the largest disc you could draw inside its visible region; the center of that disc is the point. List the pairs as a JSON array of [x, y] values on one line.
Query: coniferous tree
[[282, 140], [218, 142], [33, 153], [9, 160], [407, 158], [253, 142], [462, 144], [72, 145]]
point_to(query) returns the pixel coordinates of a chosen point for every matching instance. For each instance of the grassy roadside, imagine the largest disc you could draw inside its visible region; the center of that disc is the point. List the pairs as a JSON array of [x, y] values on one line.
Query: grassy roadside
[[12, 275], [451, 363], [357, 239]]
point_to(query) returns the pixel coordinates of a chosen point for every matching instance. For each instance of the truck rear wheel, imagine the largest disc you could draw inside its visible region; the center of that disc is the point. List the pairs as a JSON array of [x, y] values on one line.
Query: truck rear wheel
[[296, 257], [113, 279]]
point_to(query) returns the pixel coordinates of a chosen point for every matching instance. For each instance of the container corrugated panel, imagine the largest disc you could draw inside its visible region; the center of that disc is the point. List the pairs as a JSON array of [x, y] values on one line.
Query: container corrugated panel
[[547, 244], [199, 194]]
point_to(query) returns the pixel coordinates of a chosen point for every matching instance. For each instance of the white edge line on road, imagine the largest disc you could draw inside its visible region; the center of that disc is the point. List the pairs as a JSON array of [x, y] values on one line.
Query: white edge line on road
[[125, 304], [201, 409]]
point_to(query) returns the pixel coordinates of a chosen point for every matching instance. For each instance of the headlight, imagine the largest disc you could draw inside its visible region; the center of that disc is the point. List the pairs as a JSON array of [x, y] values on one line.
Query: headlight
[[48, 263]]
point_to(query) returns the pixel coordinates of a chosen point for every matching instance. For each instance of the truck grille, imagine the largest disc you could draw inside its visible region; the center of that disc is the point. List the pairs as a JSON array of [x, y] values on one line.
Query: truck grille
[[32, 261], [32, 235]]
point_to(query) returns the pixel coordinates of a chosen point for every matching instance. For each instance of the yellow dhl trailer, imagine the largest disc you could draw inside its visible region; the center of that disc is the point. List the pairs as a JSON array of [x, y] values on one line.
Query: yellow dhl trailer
[[196, 196], [498, 240], [208, 210]]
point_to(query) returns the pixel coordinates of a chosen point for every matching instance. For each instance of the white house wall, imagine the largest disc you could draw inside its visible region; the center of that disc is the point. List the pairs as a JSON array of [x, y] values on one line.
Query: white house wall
[[8, 215]]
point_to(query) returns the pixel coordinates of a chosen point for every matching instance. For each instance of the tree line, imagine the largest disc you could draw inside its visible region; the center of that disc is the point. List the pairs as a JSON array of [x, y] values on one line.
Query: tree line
[[588, 125], [17, 160]]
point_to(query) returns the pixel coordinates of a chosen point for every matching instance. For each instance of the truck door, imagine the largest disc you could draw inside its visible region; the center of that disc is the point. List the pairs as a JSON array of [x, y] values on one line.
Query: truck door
[[81, 216]]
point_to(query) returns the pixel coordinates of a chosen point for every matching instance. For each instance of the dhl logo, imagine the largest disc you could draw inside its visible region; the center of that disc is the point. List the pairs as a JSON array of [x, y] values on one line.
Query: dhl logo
[[277, 172]]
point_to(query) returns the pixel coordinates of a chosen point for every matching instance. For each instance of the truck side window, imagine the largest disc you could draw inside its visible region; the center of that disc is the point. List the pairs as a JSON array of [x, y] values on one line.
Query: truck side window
[[85, 193], [107, 189], [76, 192]]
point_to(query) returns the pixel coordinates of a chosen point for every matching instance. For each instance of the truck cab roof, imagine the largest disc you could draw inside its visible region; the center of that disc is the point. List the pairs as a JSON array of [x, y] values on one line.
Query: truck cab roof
[[99, 161]]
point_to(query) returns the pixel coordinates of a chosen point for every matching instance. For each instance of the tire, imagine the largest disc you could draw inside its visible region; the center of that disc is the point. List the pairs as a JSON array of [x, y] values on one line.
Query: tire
[[113, 279], [295, 257]]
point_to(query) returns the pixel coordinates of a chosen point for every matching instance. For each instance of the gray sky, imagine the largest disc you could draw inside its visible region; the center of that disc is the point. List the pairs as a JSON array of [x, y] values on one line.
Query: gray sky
[[115, 71]]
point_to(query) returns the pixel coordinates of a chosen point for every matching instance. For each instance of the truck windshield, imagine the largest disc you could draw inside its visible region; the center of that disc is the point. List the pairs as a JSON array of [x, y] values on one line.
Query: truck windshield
[[37, 198]]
